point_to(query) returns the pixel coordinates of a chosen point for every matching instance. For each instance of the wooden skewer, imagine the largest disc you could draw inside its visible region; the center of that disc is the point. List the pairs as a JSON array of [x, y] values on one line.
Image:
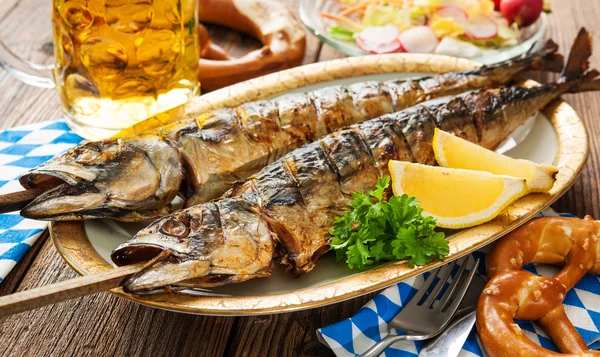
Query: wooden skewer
[[17, 200], [66, 290]]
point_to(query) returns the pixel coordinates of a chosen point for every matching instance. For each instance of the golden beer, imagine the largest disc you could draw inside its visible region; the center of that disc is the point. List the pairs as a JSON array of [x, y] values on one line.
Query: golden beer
[[118, 62]]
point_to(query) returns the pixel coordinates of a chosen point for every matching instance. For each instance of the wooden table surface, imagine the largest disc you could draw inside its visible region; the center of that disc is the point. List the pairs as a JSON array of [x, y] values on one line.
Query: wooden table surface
[[103, 325]]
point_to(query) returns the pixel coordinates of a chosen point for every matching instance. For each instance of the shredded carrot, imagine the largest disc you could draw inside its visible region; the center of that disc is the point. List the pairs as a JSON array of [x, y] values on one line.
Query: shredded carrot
[[399, 3], [353, 9], [342, 19]]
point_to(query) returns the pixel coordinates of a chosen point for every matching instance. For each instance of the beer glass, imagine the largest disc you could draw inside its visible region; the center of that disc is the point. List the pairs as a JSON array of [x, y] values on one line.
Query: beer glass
[[117, 62]]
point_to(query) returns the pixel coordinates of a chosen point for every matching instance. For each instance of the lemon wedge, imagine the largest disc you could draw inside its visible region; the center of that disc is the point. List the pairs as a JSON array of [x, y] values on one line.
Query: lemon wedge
[[452, 151], [456, 198]]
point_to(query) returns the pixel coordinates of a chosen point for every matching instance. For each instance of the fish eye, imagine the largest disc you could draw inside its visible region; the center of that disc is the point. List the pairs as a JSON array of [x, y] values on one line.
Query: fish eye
[[87, 156], [174, 227]]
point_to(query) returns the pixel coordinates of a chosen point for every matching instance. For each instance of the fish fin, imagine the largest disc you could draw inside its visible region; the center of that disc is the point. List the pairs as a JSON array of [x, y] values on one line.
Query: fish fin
[[579, 58], [591, 82], [577, 75], [545, 57]]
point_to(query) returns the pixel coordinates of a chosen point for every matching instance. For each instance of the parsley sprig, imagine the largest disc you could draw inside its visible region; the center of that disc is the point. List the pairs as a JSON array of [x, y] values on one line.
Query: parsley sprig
[[375, 230]]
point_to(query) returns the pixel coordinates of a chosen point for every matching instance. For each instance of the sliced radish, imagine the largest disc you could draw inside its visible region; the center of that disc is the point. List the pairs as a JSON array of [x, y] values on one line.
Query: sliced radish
[[379, 34], [394, 46], [419, 39], [481, 28], [379, 39], [456, 13]]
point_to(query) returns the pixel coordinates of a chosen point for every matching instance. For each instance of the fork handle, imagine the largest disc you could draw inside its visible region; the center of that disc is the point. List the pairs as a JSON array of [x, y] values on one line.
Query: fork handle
[[381, 346]]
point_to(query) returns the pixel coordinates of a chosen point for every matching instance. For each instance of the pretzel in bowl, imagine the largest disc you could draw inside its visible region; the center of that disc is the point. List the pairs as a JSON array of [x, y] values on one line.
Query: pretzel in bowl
[[269, 21], [514, 294]]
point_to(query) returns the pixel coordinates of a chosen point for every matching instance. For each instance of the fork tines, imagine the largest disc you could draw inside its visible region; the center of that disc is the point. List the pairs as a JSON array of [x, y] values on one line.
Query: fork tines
[[439, 296]]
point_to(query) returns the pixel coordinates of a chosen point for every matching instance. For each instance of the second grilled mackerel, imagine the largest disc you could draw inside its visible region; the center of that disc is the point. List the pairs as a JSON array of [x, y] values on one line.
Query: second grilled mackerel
[[284, 212], [138, 177]]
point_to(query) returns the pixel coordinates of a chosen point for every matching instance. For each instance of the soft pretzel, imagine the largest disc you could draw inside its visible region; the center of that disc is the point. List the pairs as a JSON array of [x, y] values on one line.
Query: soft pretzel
[[514, 294], [269, 21]]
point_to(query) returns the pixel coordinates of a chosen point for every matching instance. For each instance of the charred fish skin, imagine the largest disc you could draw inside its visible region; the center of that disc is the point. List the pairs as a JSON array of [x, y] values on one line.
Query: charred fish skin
[[228, 145], [297, 197], [454, 118]]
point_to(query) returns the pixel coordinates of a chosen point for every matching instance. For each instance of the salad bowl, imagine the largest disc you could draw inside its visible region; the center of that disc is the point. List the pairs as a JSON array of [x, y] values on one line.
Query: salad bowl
[[310, 14]]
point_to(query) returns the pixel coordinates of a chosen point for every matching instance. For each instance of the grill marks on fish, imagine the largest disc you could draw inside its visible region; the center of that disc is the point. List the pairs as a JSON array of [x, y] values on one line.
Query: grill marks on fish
[[493, 109], [280, 198], [385, 141], [298, 117], [359, 155], [406, 92], [294, 200], [418, 126], [351, 159], [225, 146], [455, 118], [371, 99], [231, 144], [335, 109]]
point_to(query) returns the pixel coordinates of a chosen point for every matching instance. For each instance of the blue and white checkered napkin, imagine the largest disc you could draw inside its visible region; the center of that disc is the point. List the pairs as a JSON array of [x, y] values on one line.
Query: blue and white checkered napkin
[[23, 148], [355, 335]]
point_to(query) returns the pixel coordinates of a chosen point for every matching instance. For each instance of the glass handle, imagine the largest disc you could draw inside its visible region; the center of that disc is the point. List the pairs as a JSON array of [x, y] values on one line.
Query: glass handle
[[23, 71]]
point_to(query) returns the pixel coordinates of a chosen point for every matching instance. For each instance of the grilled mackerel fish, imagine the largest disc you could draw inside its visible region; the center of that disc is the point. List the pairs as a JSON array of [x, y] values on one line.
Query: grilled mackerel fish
[[139, 177], [285, 210]]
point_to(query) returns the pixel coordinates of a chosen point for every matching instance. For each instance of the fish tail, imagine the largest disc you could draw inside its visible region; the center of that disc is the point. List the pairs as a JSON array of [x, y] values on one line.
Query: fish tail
[[590, 82], [578, 63], [577, 76], [544, 56]]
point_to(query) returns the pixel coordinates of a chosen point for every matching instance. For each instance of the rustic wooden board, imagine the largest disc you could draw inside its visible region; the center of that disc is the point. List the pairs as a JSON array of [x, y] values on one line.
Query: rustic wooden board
[[103, 325]]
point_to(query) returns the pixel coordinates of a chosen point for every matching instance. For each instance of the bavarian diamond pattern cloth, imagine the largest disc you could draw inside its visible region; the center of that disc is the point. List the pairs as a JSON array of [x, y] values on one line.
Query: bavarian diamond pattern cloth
[[22, 149], [353, 336]]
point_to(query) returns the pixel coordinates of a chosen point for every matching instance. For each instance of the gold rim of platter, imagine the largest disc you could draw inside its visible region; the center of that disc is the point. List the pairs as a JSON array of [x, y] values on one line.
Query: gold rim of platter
[[73, 245]]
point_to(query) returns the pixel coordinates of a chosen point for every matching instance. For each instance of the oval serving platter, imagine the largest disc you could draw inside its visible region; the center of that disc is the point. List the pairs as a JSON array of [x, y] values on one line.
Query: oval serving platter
[[557, 136]]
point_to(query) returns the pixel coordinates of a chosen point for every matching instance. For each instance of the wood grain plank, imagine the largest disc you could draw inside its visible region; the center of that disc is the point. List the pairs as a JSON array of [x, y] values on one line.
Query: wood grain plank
[[288, 334], [103, 324], [584, 197]]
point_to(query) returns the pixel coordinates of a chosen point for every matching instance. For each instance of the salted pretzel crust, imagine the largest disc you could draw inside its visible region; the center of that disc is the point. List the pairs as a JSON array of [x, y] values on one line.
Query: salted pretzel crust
[[515, 294], [269, 21]]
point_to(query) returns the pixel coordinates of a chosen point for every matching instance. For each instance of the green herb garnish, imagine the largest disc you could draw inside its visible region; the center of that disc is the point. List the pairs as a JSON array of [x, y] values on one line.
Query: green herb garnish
[[342, 33], [375, 230]]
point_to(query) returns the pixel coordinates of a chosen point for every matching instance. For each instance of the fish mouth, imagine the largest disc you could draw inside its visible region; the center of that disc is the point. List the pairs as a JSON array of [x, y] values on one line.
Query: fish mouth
[[67, 189], [165, 270], [127, 254], [64, 202], [55, 176]]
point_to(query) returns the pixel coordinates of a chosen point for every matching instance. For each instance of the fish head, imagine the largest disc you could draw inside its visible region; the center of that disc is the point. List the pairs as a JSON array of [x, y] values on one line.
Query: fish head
[[212, 244], [171, 233], [124, 179], [168, 245]]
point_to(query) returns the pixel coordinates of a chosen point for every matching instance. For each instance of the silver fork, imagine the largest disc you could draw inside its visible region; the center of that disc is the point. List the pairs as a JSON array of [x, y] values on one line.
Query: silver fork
[[426, 319]]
